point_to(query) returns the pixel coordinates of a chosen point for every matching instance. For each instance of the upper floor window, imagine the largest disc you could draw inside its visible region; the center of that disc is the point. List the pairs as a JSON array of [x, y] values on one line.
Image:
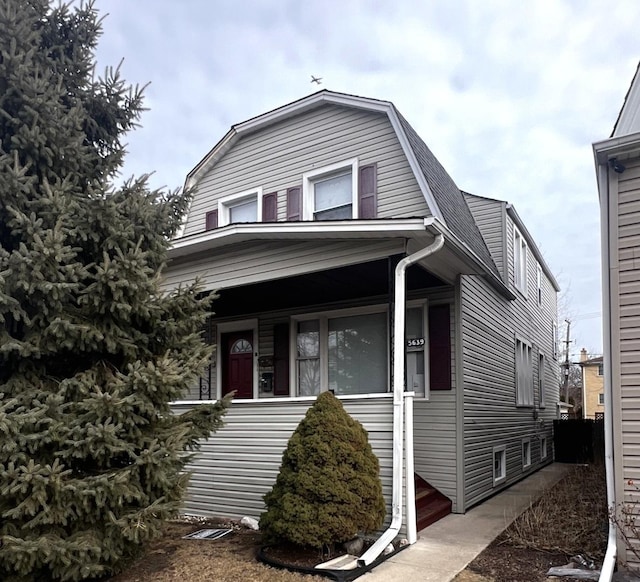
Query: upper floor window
[[331, 193], [600, 369], [539, 283], [554, 339], [519, 261], [524, 375], [243, 207]]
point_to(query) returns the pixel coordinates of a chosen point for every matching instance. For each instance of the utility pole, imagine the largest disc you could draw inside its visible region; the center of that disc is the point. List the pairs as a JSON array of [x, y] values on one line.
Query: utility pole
[[566, 364]]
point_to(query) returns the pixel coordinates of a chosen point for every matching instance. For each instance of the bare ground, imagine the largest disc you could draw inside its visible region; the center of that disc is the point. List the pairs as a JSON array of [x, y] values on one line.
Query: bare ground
[[569, 519]]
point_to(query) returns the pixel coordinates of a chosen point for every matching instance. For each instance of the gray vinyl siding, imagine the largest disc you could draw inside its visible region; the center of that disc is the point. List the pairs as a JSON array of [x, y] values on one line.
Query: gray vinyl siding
[[490, 216], [490, 326], [434, 427], [253, 262], [237, 465], [276, 157], [625, 327]]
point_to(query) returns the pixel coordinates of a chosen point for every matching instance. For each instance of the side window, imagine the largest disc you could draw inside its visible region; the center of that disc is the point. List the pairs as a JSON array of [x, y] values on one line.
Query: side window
[[519, 261], [524, 376]]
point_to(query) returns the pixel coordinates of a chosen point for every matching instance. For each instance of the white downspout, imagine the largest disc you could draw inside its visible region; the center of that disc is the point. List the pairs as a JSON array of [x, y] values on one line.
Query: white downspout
[[609, 563], [398, 398]]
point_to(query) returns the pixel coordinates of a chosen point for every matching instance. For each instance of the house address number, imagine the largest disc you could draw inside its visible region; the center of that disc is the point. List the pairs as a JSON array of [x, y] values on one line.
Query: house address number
[[415, 343]]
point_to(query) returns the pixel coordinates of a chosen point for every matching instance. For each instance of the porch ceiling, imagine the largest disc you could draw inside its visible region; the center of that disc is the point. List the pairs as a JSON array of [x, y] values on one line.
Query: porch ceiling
[[331, 286]]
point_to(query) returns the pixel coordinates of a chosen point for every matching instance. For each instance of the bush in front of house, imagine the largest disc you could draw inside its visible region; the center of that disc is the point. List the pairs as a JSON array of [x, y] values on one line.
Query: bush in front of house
[[328, 488]]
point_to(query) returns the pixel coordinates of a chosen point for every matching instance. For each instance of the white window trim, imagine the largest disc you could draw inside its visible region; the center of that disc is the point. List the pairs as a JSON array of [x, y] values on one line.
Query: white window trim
[[309, 178], [520, 250], [424, 304], [528, 378], [554, 339], [544, 449], [229, 326], [323, 318], [224, 204], [502, 451], [526, 459]]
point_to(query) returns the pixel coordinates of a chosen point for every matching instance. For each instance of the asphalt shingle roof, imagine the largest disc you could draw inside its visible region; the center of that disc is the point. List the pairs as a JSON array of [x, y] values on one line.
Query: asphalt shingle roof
[[449, 198]]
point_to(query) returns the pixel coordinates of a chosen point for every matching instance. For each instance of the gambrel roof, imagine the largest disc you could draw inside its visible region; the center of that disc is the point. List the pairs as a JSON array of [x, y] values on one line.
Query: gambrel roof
[[443, 197]]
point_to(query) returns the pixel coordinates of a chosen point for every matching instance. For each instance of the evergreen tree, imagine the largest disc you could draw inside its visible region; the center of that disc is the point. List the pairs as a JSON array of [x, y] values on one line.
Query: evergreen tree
[[328, 488], [91, 351]]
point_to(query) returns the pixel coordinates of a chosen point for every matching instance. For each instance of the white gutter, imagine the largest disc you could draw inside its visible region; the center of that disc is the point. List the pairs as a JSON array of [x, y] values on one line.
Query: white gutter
[[398, 400], [609, 563]]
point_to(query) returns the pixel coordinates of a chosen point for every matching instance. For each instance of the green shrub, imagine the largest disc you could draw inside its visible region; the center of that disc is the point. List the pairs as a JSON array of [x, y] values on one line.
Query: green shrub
[[328, 488]]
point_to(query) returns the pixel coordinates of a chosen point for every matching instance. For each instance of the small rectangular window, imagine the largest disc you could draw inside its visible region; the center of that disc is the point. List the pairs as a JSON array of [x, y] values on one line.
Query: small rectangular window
[[526, 453], [499, 464], [554, 339], [601, 398], [543, 448], [239, 208], [600, 370]]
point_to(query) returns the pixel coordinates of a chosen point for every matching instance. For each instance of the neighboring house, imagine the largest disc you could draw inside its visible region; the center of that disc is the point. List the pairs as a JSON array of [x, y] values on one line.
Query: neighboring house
[[617, 162], [592, 386], [305, 221]]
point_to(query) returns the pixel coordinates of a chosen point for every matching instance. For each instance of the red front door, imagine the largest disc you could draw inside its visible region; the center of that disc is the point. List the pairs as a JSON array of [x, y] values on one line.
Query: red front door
[[237, 366]]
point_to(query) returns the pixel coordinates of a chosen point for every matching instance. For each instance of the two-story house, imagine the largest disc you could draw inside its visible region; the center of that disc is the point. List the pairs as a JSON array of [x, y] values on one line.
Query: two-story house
[[345, 258], [617, 161]]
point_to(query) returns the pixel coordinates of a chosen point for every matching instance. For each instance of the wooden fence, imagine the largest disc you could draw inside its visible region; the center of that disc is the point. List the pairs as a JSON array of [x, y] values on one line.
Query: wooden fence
[[578, 440]]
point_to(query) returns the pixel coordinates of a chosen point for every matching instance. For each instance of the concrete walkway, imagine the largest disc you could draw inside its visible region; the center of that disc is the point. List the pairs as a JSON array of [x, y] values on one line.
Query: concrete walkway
[[446, 548]]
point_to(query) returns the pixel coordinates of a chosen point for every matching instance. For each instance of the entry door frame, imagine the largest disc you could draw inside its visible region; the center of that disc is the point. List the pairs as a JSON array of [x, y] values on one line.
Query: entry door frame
[[231, 326]]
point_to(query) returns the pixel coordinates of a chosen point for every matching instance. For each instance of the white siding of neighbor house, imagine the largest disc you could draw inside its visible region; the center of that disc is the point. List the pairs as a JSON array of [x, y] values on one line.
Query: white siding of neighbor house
[[237, 465], [435, 424], [276, 157], [490, 216], [624, 273], [490, 325], [253, 262]]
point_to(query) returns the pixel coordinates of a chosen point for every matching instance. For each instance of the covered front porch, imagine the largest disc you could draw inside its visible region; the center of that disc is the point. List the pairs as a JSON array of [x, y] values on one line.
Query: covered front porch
[[328, 330]]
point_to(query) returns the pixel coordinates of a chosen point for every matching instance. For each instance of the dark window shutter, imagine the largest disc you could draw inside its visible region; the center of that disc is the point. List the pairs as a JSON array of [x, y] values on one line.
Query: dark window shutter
[[281, 359], [211, 220], [270, 207], [367, 185], [439, 347], [294, 203]]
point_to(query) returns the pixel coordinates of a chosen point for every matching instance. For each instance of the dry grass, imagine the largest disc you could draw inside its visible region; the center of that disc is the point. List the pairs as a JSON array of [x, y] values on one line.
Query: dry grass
[[569, 518], [229, 559]]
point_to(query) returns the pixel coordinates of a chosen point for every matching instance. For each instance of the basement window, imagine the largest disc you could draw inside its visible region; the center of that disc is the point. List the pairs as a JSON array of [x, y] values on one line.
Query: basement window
[[499, 464], [543, 448], [526, 453]]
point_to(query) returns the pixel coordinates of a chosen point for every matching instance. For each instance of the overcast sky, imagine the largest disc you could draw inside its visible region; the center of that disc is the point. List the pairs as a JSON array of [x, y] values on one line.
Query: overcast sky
[[509, 95]]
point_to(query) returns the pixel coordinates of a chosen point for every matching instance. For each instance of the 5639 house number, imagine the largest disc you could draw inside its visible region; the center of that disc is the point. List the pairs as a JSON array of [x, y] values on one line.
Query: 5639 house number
[[415, 343]]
